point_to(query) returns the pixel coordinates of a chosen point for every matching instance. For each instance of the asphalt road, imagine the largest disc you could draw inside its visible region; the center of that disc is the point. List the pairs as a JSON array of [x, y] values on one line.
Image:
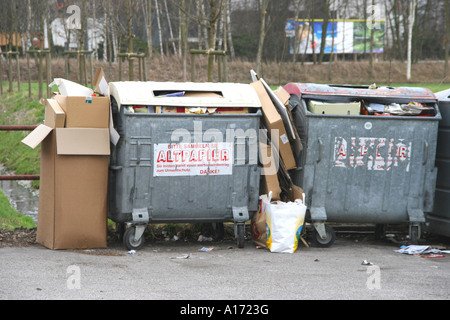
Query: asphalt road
[[179, 271]]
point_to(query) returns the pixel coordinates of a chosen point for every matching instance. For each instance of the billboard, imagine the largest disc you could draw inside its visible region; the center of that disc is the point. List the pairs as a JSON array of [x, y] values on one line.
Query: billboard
[[342, 36]]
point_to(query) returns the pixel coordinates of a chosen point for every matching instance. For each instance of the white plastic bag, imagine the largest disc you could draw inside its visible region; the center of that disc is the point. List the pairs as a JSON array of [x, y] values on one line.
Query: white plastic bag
[[284, 225], [69, 88]]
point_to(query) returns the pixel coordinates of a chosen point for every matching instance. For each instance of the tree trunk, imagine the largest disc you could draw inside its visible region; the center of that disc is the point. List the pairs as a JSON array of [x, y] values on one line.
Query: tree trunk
[[412, 10], [149, 30], [323, 41], [170, 28], [159, 29], [262, 35], [372, 26], [130, 41], [228, 27], [183, 37], [213, 16]]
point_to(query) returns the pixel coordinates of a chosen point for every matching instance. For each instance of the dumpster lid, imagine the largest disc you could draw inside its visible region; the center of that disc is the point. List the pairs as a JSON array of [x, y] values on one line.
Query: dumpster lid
[[413, 93], [443, 95], [184, 94]]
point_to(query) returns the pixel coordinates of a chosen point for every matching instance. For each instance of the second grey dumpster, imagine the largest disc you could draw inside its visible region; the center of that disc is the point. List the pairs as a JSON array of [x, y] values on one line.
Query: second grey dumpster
[[357, 168], [438, 221], [173, 164]]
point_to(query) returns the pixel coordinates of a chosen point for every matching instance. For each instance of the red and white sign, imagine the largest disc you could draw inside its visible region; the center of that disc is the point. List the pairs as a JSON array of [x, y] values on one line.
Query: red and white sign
[[193, 159], [379, 154]]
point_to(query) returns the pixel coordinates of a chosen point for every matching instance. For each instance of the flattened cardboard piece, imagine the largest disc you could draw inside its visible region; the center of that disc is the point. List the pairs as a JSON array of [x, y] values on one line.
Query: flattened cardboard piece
[[273, 121], [82, 141], [282, 110], [36, 137], [350, 108], [100, 83], [85, 112], [284, 97]]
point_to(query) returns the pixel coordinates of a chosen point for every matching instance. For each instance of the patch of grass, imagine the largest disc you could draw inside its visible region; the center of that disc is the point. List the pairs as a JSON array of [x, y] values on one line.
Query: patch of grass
[[17, 109], [435, 87], [11, 219]]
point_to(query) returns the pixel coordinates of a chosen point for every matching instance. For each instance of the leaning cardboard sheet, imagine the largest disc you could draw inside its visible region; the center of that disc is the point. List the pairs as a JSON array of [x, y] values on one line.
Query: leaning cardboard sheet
[[75, 148]]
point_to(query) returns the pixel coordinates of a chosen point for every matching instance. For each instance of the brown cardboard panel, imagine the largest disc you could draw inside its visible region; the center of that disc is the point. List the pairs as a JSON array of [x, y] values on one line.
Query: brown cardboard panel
[[46, 213], [269, 179], [283, 95], [82, 141], [80, 202], [100, 83], [273, 121], [54, 114], [36, 136], [85, 112], [296, 143], [205, 94]]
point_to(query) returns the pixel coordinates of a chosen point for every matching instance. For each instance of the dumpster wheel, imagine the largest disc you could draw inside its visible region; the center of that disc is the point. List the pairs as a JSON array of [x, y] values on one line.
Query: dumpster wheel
[[129, 239], [240, 235], [327, 241]]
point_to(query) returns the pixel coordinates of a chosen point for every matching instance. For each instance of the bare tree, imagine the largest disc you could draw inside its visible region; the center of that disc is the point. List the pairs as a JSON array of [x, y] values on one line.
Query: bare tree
[[183, 36], [170, 28], [412, 13], [228, 27], [372, 26], [159, 28], [149, 28], [326, 14], [215, 9]]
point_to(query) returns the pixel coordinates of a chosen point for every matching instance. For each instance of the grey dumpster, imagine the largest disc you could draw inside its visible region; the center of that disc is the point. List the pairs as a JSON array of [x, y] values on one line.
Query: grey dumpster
[[372, 169], [438, 221], [187, 153]]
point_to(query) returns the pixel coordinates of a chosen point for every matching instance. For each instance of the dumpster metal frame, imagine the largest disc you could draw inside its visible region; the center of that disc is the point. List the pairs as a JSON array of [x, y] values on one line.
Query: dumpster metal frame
[[138, 196], [438, 221], [396, 192]]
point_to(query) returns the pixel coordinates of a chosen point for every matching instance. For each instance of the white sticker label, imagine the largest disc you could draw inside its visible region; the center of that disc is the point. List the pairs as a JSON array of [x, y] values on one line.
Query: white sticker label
[[193, 159], [284, 138]]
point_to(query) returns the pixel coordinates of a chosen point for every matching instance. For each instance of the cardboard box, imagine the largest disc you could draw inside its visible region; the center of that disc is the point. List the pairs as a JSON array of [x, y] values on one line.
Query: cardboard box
[[321, 107], [74, 182], [85, 112], [273, 121]]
